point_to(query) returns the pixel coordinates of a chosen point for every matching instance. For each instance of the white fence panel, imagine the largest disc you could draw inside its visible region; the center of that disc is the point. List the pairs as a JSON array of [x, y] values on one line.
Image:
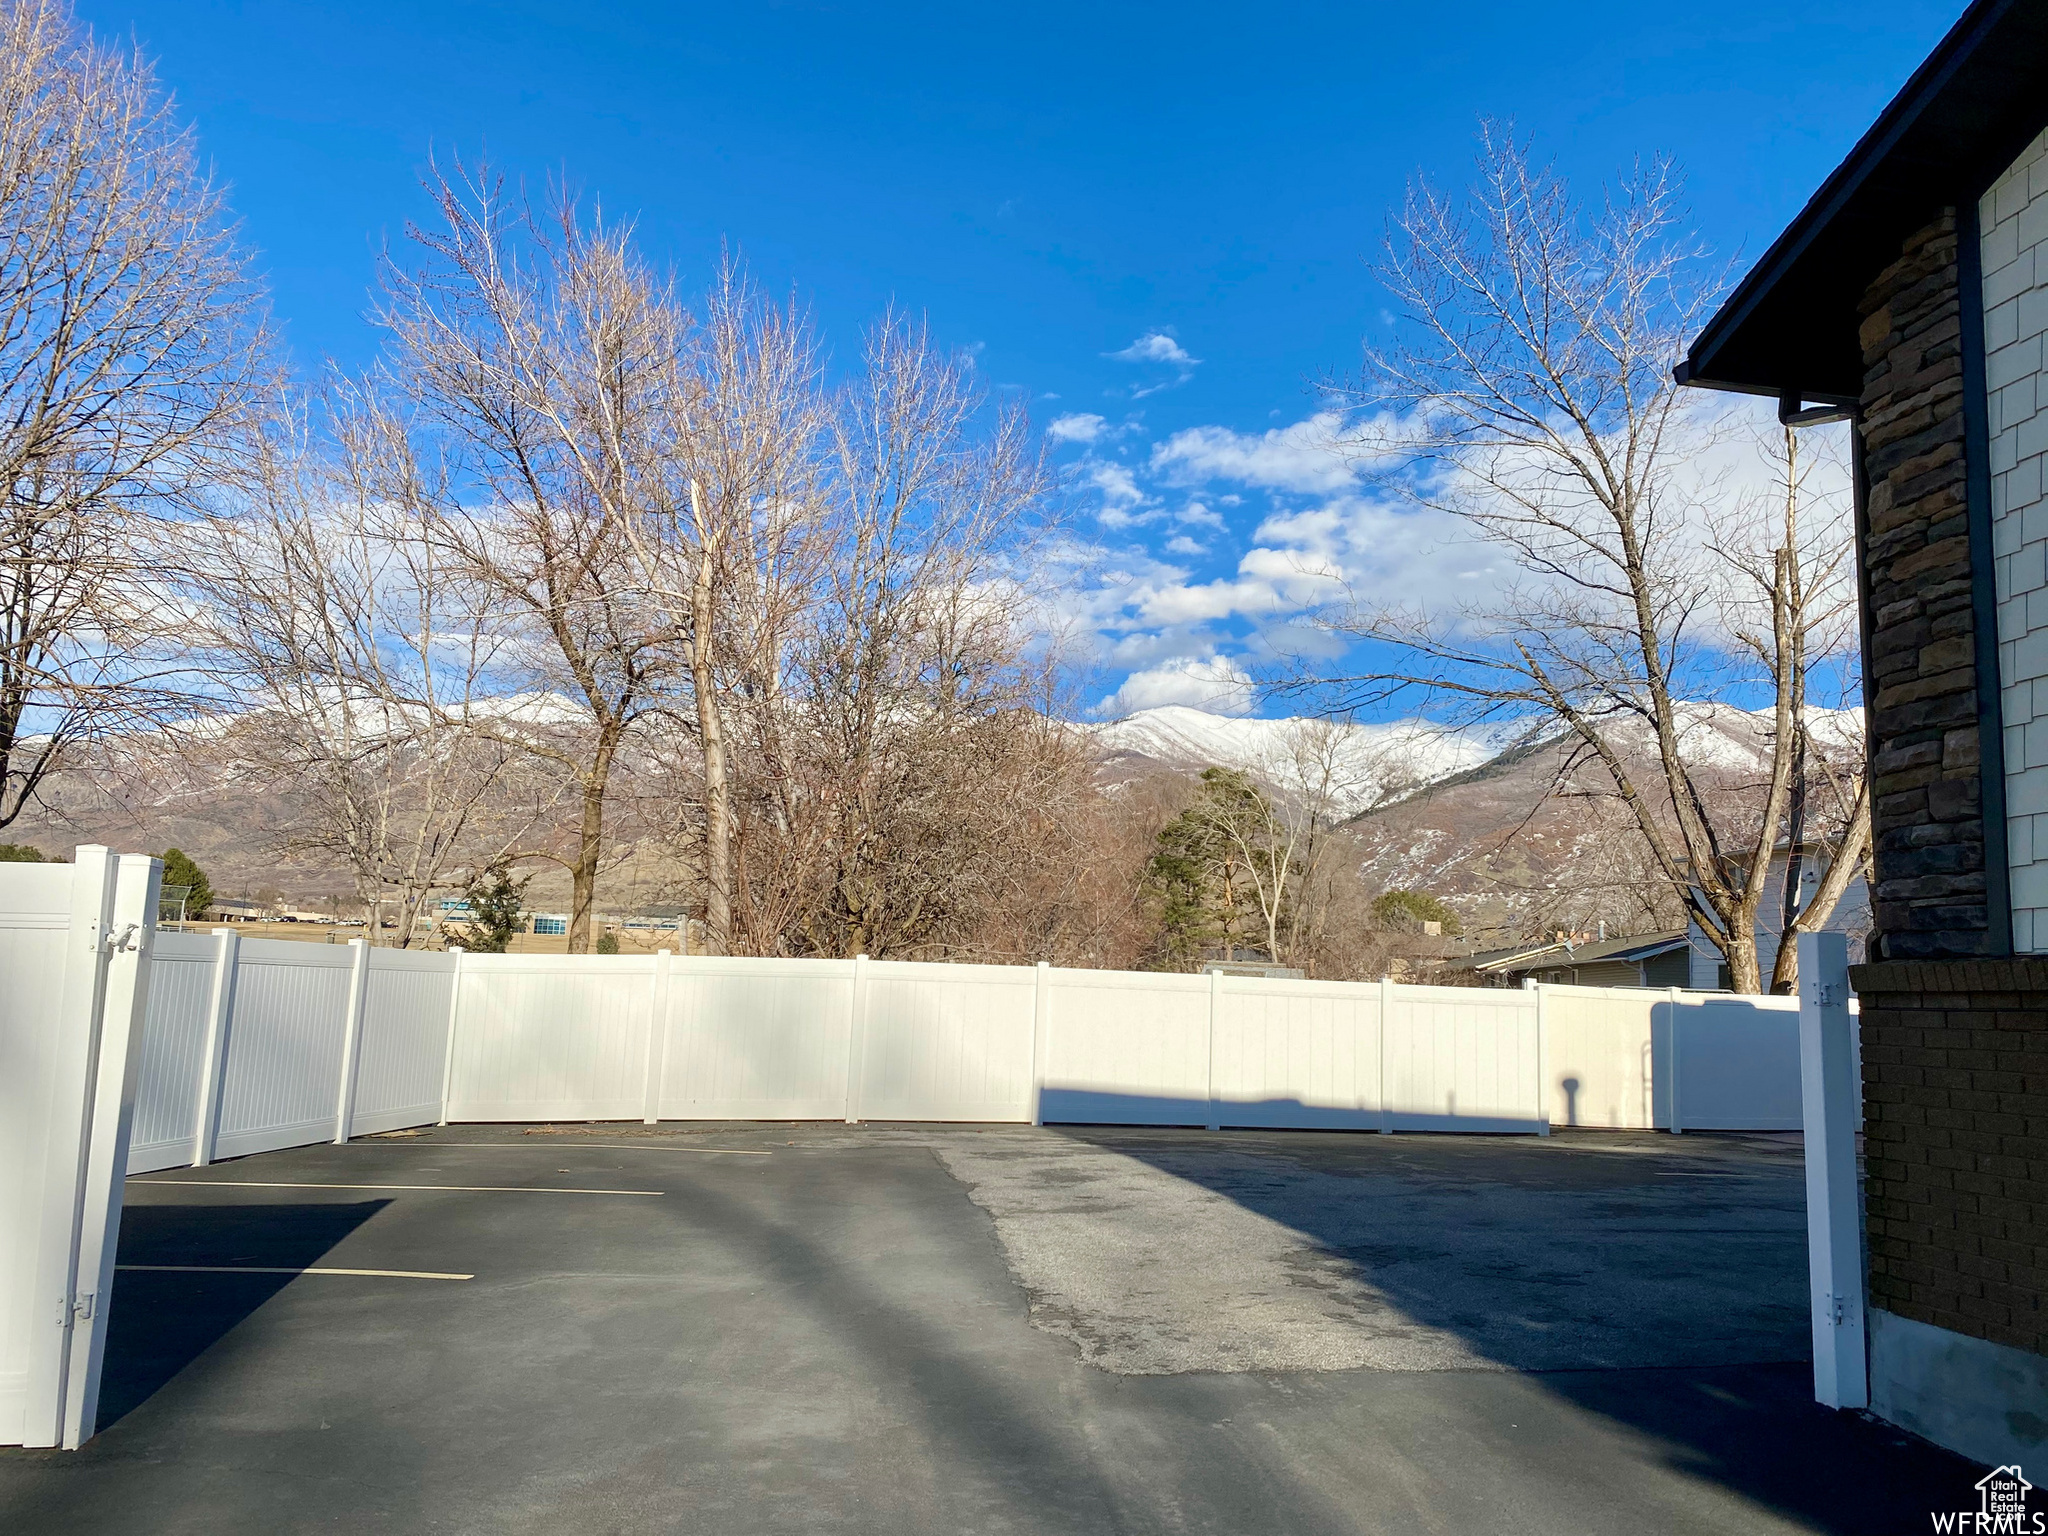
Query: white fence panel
[[756, 1039], [1463, 1059], [35, 923], [1126, 1049], [1605, 1049], [405, 1041], [75, 945], [1737, 1063], [1297, 1054], [946, 1042], [173, 1067], [575, 1037], [284, 1046], [551, 1037]]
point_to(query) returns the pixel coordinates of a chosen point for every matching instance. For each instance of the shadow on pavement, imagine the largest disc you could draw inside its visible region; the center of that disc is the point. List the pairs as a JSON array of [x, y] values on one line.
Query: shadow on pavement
[[162, 1321], [1732, 1242]]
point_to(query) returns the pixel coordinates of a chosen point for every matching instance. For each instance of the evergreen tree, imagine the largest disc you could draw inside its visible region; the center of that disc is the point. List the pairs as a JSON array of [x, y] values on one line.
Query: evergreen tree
[[495, 902], [180, 869], [1199, 873], [21, 853], [1409, 910]]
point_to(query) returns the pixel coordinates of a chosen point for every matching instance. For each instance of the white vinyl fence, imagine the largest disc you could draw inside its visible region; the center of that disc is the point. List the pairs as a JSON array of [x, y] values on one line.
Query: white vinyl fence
[[74, 942], [256, 1044], [125, 1049]]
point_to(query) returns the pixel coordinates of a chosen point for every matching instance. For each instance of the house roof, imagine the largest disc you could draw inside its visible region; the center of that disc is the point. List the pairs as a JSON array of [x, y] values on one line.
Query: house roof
[[1527, 957], [1790, 325]]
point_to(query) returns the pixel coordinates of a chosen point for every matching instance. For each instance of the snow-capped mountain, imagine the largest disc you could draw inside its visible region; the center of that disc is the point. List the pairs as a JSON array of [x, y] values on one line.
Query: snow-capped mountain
[[1367, 761]]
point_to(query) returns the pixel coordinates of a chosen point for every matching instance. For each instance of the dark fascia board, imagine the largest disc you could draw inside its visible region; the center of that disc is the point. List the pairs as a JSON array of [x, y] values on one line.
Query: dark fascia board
[[1976, 101]]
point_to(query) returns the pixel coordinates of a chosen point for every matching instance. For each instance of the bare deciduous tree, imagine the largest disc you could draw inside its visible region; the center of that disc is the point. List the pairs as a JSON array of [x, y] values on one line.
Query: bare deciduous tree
[[730, 554], [522, 410], [132, 355], [913, 655], [1528, 394], [360, 665]]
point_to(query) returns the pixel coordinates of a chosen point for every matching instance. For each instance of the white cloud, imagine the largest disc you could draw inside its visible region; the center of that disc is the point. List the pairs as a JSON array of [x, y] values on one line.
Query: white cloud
[[1155, 347], [1123, 500], [1213, 683], [1190, 569], [1301, 457], [1076, 427]]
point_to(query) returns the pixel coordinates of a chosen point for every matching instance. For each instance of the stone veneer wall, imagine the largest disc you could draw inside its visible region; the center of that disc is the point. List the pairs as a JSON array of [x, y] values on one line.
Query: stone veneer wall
[[1927, 817], [1955, 1106]]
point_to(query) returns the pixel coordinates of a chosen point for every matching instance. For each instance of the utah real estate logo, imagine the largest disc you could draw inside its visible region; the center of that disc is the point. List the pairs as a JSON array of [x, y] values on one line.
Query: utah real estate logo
[[2003, 1509]]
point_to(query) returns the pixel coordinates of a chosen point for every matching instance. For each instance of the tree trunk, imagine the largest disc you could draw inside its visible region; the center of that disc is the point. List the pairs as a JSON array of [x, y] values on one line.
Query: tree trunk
[[583, 871], [1847, 861], [1744, 974], [711, 732]]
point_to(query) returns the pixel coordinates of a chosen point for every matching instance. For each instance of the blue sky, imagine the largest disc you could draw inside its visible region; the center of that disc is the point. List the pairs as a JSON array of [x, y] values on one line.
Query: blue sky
[[1153, 215]]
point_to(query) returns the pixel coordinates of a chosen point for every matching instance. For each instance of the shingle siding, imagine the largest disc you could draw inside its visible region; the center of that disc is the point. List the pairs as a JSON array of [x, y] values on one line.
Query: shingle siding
[[2013, 219]]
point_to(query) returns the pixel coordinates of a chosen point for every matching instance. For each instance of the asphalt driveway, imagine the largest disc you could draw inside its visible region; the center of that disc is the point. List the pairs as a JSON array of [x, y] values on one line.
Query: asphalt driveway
[[948, 1329]]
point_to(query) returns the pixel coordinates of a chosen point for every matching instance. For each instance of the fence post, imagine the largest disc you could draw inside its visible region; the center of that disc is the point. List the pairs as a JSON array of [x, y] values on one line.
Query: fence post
[[1829, 1099], [1386, 1024], [1041, 1040], [448, 1047], [1542, 1056], [1671, 1049], [657, 1039], [352, 1039], [856, 1038], [54, 1245], [1215, 1006], [131, 940], [213, 1060]]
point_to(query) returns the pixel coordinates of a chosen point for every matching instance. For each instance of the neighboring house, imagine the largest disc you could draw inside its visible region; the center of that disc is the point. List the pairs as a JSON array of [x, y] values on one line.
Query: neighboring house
[[1682, 957], [1708, 971], [1911, 296], [1580, 960]]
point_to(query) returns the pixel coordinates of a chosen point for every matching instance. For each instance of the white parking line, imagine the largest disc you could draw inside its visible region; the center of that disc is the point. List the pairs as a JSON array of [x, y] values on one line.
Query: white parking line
[[544, 1146], [476, 1189], [309, 1269]]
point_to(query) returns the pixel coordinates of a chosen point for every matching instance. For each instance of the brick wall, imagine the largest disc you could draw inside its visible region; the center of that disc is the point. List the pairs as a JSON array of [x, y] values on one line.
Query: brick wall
[[1927, 811], [1955, 1103]]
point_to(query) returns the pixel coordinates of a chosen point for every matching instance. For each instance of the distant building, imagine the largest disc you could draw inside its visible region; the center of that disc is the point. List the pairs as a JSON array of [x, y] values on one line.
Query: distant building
[[1708, 969], [1254, 968], [1583, 960]]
